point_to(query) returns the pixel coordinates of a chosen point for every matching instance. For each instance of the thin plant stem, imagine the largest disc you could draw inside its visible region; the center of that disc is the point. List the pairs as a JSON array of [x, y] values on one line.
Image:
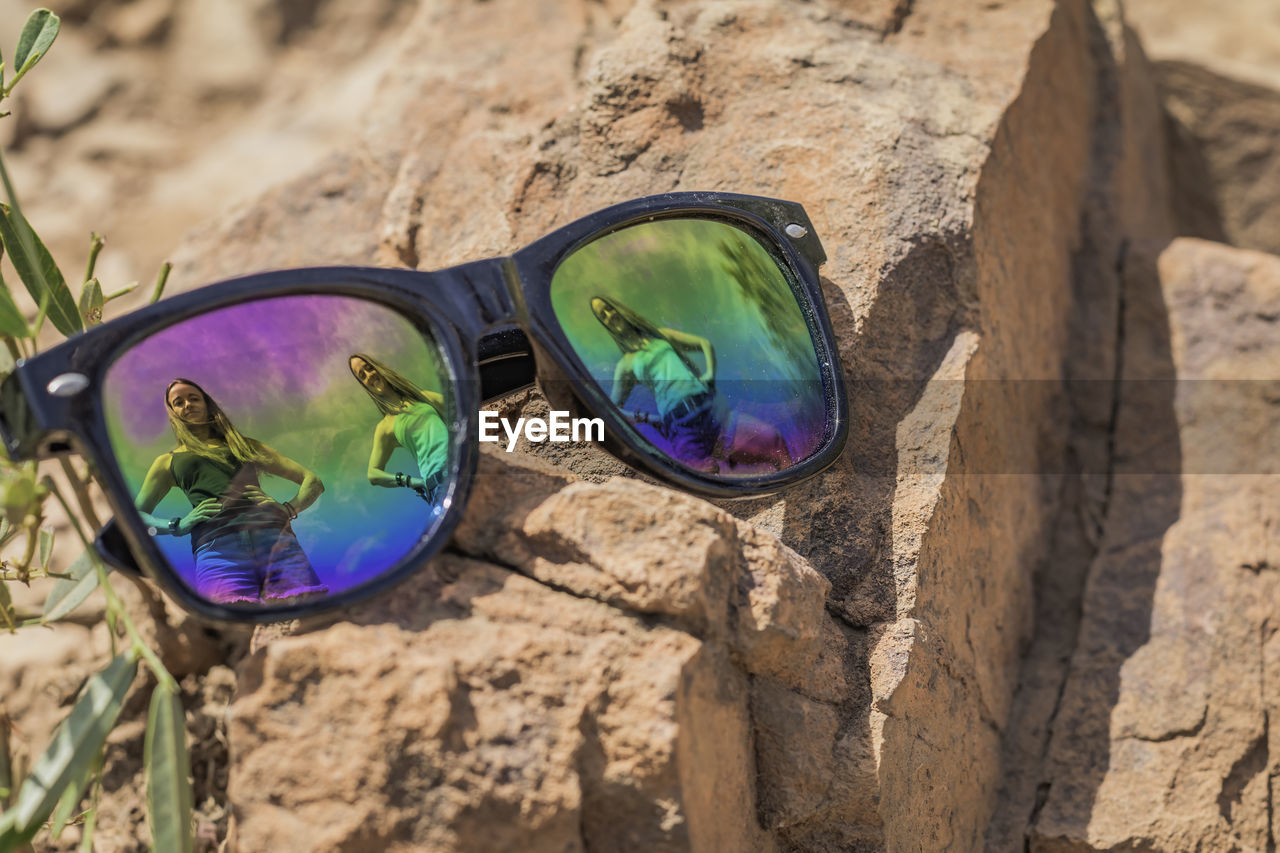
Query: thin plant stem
[[80, 490], [115, 607], [161, 280], [95, 246], [155, 605]]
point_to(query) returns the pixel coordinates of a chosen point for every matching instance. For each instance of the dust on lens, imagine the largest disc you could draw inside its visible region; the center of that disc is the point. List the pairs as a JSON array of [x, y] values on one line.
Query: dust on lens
[[694, 332], [286, 449]]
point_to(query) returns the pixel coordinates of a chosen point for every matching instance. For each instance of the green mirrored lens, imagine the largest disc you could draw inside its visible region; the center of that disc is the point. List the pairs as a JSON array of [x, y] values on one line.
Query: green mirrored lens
[[692, 328]]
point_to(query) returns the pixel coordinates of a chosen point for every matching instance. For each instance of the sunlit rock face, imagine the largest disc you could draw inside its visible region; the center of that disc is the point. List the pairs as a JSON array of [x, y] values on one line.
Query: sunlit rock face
[[1032, 605]]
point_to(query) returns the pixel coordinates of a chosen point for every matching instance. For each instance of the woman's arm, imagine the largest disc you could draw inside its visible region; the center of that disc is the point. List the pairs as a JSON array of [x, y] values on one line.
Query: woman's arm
[[684, 340], [435, 398], [624, 380], [155, 486], [309, 485], [384, 444]]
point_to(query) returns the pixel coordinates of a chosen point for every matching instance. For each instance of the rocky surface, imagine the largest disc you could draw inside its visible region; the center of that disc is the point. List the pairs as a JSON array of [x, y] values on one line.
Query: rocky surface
[[1162, 740], [1031, 606], [1219, 77], [151, 116], [504, 710]]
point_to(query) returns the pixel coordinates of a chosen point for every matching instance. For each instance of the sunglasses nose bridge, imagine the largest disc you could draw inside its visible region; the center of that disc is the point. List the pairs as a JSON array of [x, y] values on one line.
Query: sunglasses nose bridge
[[484, 294]]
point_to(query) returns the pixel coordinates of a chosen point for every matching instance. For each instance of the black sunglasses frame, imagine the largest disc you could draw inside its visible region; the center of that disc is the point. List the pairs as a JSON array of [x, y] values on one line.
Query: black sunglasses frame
[[493, 323]]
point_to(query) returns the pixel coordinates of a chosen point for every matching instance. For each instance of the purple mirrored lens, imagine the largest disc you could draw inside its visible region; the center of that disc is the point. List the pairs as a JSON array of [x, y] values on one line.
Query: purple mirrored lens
[[693, 330], [285, 449]]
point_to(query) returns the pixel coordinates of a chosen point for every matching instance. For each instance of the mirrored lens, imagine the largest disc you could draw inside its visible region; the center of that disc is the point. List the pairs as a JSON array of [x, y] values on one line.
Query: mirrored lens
[[692, 329], [286, 449]]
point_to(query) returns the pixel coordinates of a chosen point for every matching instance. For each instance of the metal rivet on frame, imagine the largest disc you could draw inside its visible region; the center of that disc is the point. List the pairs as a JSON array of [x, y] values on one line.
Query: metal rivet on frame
[[795, 231], [67, 385]]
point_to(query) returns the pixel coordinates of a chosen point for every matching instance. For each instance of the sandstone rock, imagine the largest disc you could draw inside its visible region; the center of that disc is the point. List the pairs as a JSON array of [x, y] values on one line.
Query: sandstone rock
[[71, 85], [652, 744], [1244, 45], [604, 663], [480, 710], [140, 22], [1220, 81], [1162, 739], [1223, 135], [968, 279], [219, 48]]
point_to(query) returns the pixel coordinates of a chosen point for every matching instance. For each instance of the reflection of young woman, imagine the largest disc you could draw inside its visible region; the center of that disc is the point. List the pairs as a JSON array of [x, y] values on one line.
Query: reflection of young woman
[[412, 419], [242, 540], [654, 357]]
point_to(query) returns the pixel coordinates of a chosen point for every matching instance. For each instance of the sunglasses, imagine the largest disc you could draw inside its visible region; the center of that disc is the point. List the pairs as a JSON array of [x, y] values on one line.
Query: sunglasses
[[295, 441]]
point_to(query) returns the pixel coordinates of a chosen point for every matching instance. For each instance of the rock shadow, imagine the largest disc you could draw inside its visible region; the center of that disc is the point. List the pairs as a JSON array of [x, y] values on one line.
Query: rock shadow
[[1143, 496], [840, 521]]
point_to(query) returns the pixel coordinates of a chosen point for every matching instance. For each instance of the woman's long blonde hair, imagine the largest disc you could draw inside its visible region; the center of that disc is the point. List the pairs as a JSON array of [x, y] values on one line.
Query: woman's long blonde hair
[[242, 449], [641, 330], [403, 387]]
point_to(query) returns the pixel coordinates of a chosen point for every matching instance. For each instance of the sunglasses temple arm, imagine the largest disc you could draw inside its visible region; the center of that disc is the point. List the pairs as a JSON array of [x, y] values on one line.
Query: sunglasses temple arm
[[19, 425], [115, 551], [506, 362]]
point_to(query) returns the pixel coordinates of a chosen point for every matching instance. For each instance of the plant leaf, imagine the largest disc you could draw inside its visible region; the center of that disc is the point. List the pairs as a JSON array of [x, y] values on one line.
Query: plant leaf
[[169, 797], [69, 593], [46, 547], [38, 33], [67, 803], [75, 745], [38, 271], [12, 323], [91, 303]]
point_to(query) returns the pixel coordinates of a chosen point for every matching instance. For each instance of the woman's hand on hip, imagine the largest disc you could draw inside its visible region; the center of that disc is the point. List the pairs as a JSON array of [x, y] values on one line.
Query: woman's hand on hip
[[203, 511]]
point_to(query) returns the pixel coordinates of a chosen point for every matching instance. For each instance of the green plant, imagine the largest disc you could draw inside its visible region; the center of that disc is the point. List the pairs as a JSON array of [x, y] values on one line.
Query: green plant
[[49, 794]]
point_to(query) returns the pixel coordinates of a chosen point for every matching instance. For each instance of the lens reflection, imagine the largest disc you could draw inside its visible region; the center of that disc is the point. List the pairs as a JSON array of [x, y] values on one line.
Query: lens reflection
[[693, 330], [412, 418], [268, 473]]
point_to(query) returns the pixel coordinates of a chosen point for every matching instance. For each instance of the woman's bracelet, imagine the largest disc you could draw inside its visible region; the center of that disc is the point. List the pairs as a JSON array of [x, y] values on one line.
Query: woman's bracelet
[[401, 479], [293, 513]]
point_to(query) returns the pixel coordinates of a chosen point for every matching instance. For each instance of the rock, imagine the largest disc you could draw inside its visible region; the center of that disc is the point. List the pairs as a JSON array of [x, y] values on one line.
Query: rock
[[1162, 739], [1223, 136], [1244, 45], [652, 745], [140, 22], [69, 86], [1220, 82], [882, 16], [480, 710], [600, 662], [218, 48], [946, 175]]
